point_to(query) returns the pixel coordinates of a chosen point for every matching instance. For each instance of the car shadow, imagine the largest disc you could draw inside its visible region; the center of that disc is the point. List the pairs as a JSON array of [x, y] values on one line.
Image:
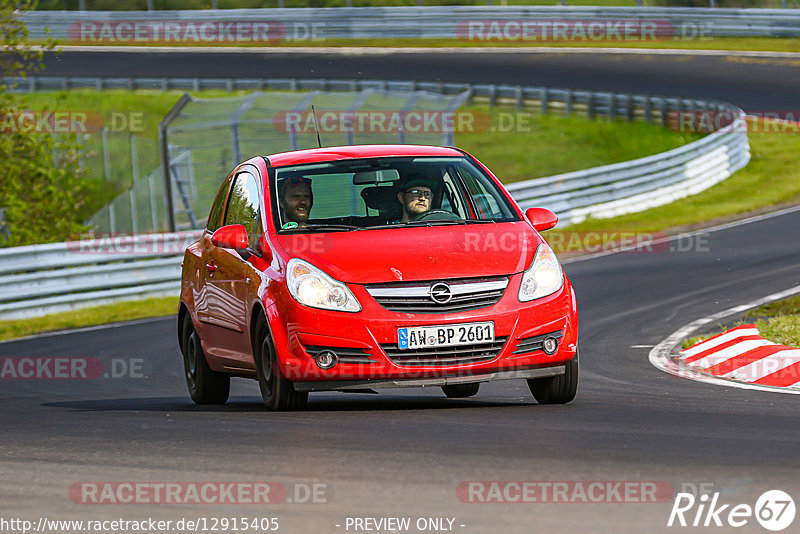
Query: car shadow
[[353, 402]]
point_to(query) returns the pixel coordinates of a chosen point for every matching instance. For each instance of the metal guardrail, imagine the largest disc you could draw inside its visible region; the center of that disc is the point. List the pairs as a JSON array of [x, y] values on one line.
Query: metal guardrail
[[449, 22], [55, 277], [51, 278], [640, 184]]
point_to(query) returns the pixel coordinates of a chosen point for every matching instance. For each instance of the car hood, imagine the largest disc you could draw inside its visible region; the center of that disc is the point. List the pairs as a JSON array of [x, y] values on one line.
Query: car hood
[[420, 253]]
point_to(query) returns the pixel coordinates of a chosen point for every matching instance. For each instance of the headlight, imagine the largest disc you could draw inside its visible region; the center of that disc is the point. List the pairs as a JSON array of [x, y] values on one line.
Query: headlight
[[312, 287], [543, 278]]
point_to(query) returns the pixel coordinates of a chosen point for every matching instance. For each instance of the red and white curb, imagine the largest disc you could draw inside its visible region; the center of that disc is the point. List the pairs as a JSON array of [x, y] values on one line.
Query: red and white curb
[[741, 354], [738, 358]]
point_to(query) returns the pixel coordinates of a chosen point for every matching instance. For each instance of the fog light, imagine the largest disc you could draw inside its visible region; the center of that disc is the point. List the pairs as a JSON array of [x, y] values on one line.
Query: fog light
[[550, 345], [326, 359]]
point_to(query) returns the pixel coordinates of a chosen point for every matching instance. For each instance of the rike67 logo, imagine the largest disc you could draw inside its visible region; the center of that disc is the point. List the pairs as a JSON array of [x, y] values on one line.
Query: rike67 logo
[[774, 510]]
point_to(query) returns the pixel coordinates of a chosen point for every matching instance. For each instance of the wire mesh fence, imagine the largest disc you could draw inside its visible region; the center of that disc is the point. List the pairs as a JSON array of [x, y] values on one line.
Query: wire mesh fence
[[210, 136]]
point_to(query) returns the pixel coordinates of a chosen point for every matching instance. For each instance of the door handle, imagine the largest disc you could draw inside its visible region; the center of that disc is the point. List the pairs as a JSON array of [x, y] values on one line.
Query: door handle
[[211, 267]]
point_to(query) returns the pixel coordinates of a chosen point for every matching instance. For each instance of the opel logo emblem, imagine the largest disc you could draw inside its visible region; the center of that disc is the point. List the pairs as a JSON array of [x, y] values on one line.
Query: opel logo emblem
[[441, 293]]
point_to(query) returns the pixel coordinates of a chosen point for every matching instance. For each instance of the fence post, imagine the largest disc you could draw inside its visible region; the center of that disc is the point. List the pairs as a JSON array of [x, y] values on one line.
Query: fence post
[[544, 101], [568, 103], [134, 177], [590, 105], [165, 166], [132, 200], [152, 194], [106, 153], [5, 231], [112, 219], [55, 149], [629, 107], [612, 106], [134, 160]]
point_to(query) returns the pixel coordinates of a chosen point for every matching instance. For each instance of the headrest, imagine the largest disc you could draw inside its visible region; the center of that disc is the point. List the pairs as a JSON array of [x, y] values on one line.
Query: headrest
[[383, 199]]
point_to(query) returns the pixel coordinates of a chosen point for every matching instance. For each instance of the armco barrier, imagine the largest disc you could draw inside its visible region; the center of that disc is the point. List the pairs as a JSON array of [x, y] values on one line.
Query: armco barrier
[[449, 22], [40, 279], [639, 184]]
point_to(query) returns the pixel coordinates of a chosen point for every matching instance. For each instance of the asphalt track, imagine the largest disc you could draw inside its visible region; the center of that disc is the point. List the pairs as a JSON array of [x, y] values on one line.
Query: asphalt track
[[404, 452]]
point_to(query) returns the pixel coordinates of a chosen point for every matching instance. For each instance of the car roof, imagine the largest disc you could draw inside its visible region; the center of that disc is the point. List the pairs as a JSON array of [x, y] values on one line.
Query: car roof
[[333, 153]]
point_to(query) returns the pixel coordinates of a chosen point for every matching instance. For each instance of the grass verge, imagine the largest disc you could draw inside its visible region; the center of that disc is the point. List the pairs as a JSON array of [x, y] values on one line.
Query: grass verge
[[109, 313], [777, 321], [771, 178]]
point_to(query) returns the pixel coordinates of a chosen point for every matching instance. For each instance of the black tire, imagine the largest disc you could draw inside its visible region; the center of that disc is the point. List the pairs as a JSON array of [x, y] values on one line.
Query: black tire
[[205, 386], [559, 389], [460, 391], [276, 390]]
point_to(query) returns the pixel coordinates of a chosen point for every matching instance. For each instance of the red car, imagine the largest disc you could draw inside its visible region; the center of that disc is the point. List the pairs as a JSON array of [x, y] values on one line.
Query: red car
[[362, 267]]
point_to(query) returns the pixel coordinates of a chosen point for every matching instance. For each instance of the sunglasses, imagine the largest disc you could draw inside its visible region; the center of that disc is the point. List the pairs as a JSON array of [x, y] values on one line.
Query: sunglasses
[[420, 193]]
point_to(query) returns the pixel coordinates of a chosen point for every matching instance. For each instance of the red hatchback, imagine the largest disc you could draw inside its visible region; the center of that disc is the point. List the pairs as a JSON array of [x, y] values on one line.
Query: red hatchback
[[362, 267]]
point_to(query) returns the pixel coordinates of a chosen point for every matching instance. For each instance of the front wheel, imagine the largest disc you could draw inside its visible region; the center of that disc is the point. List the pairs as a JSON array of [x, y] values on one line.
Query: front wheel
[[205, 385], [276, 390], [559, 389], [461, 391]]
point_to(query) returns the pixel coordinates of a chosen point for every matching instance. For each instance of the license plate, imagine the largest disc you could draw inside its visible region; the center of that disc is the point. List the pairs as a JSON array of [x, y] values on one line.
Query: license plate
[[450, 335]]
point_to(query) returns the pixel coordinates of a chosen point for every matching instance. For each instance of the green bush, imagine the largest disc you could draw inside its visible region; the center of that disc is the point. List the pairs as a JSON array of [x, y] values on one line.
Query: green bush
[[42, 185]]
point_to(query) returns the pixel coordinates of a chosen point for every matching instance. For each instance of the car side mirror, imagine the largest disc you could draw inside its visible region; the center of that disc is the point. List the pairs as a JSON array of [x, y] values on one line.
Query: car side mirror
[[232, 236], [541, 218]]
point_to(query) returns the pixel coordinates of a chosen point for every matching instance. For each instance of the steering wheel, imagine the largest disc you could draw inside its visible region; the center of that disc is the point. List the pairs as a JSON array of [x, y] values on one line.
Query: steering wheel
[[438, 215]]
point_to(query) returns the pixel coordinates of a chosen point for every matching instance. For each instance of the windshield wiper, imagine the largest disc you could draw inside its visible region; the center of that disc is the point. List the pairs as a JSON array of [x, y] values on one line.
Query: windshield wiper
[[431, 222]]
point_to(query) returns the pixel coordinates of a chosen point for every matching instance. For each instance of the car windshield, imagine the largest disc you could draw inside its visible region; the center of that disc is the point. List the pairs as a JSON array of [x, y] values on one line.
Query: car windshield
[[385, 192]]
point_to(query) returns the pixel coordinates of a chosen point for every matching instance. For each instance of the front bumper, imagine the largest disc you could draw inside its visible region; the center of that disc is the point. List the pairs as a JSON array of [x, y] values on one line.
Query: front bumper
[[364, 341], [346, 385]]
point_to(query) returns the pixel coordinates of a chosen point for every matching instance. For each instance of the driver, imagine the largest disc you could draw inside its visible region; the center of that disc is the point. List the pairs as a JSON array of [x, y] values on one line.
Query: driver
[[296, 200], [416, 196]]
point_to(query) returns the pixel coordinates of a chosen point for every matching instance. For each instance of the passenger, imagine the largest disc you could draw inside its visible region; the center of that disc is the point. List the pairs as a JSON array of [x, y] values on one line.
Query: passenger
[[296, 200], [416, 196]]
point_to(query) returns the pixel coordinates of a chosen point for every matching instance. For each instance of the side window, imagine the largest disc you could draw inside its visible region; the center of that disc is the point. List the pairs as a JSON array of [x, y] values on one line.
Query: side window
[[451, 201], [483, 195], [215, 217], [243, 204]]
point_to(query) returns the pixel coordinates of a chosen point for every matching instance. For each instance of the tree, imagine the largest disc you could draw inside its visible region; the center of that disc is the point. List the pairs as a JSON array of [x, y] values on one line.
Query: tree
[[42, 185]]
